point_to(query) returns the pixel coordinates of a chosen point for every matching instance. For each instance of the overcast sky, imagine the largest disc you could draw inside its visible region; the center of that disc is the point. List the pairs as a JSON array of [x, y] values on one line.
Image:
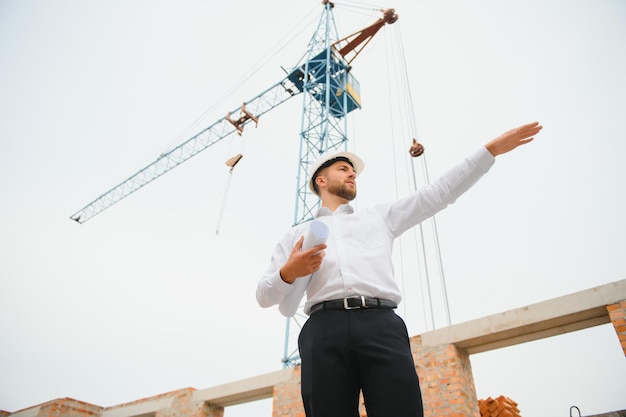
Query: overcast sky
[[146, 298]]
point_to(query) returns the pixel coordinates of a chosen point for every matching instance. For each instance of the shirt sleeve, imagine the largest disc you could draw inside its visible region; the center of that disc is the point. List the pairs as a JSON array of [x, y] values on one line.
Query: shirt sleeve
[[271, 289], [434, 197]]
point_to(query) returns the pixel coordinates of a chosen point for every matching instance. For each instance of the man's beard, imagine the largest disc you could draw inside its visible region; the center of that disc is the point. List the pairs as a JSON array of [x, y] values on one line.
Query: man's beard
[[342, 190]]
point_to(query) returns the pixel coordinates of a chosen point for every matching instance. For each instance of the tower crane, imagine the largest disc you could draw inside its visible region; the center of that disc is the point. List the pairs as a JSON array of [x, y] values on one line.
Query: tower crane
[[330, 92]]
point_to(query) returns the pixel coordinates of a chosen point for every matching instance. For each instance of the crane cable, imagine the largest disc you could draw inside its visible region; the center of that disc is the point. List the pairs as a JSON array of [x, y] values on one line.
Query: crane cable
[[407, 115], [231, 162], [418, 233], [399, 82]]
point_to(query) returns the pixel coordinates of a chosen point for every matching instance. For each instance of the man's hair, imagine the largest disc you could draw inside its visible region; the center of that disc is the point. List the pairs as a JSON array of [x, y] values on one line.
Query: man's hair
[[326, 165]]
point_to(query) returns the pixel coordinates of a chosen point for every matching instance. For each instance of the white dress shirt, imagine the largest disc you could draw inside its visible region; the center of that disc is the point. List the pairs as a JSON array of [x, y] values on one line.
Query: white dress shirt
[[358, 258]]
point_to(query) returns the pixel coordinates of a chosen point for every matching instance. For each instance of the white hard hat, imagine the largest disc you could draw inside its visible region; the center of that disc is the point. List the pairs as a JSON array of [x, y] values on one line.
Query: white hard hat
[[330, 158]]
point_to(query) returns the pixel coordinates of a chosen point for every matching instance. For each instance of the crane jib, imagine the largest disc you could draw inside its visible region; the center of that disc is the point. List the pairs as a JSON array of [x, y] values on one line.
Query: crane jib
[[251, 111]]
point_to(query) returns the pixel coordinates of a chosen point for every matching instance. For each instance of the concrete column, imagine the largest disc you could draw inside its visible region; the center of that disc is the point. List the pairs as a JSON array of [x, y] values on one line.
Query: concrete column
[[184, 405], [287, 398], [446, 380], [617, 313], [214, 411]]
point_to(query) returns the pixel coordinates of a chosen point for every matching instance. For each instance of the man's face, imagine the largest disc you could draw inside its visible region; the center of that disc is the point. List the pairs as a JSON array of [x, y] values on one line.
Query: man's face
[[341, 180]]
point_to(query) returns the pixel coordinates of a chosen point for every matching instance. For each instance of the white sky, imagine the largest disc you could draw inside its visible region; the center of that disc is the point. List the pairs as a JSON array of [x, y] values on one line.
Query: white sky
[[146, 298]]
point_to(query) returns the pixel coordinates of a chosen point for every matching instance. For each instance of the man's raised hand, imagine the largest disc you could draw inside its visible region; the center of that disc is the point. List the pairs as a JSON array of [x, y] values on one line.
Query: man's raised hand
[[513, 138]]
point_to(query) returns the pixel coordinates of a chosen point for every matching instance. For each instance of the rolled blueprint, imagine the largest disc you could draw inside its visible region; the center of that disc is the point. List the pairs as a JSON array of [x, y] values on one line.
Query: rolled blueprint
[[316, 234]]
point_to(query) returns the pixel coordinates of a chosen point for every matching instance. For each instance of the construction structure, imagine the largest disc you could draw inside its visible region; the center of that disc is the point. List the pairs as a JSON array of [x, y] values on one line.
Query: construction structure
[[442, 360]]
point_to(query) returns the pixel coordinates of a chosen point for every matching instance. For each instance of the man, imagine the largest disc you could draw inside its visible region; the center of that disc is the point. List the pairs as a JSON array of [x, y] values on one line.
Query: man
[[353, 340]]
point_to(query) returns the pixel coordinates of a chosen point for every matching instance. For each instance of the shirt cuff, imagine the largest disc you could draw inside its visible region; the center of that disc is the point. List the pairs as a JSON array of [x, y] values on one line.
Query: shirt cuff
[[483, 158], [281, 286]]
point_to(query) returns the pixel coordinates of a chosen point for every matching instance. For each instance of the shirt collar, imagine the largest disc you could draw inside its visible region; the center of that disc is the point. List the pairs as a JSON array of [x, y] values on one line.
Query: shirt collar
[[342, 209]]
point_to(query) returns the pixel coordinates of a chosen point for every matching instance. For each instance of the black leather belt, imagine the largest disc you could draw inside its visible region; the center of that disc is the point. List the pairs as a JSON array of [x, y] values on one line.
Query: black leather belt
[[352, 303]]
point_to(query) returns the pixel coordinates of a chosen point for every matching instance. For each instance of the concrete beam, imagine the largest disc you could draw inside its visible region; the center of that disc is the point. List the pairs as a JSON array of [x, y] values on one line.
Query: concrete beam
[[145, 408], [560, 315], [245, 390]]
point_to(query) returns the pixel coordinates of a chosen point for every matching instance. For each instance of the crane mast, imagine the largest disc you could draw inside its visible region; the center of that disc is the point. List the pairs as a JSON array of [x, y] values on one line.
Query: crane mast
[[331, 92]]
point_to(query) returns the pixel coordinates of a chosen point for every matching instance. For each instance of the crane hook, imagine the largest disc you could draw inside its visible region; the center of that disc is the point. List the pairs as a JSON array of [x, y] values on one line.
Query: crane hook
[[231, 162], [416, 149]]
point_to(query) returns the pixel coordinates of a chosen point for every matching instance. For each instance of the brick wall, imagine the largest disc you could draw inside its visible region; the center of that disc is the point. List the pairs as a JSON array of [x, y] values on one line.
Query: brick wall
[[287, 398], [446, 380], [617, 313], [68, 407]]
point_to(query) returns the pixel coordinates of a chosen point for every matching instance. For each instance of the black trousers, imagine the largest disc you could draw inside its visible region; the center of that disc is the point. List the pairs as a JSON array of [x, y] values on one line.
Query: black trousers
[[344, 352]]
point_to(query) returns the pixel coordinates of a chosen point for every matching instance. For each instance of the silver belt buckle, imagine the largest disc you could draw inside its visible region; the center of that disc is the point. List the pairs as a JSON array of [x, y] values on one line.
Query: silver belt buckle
[[354, 297]]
